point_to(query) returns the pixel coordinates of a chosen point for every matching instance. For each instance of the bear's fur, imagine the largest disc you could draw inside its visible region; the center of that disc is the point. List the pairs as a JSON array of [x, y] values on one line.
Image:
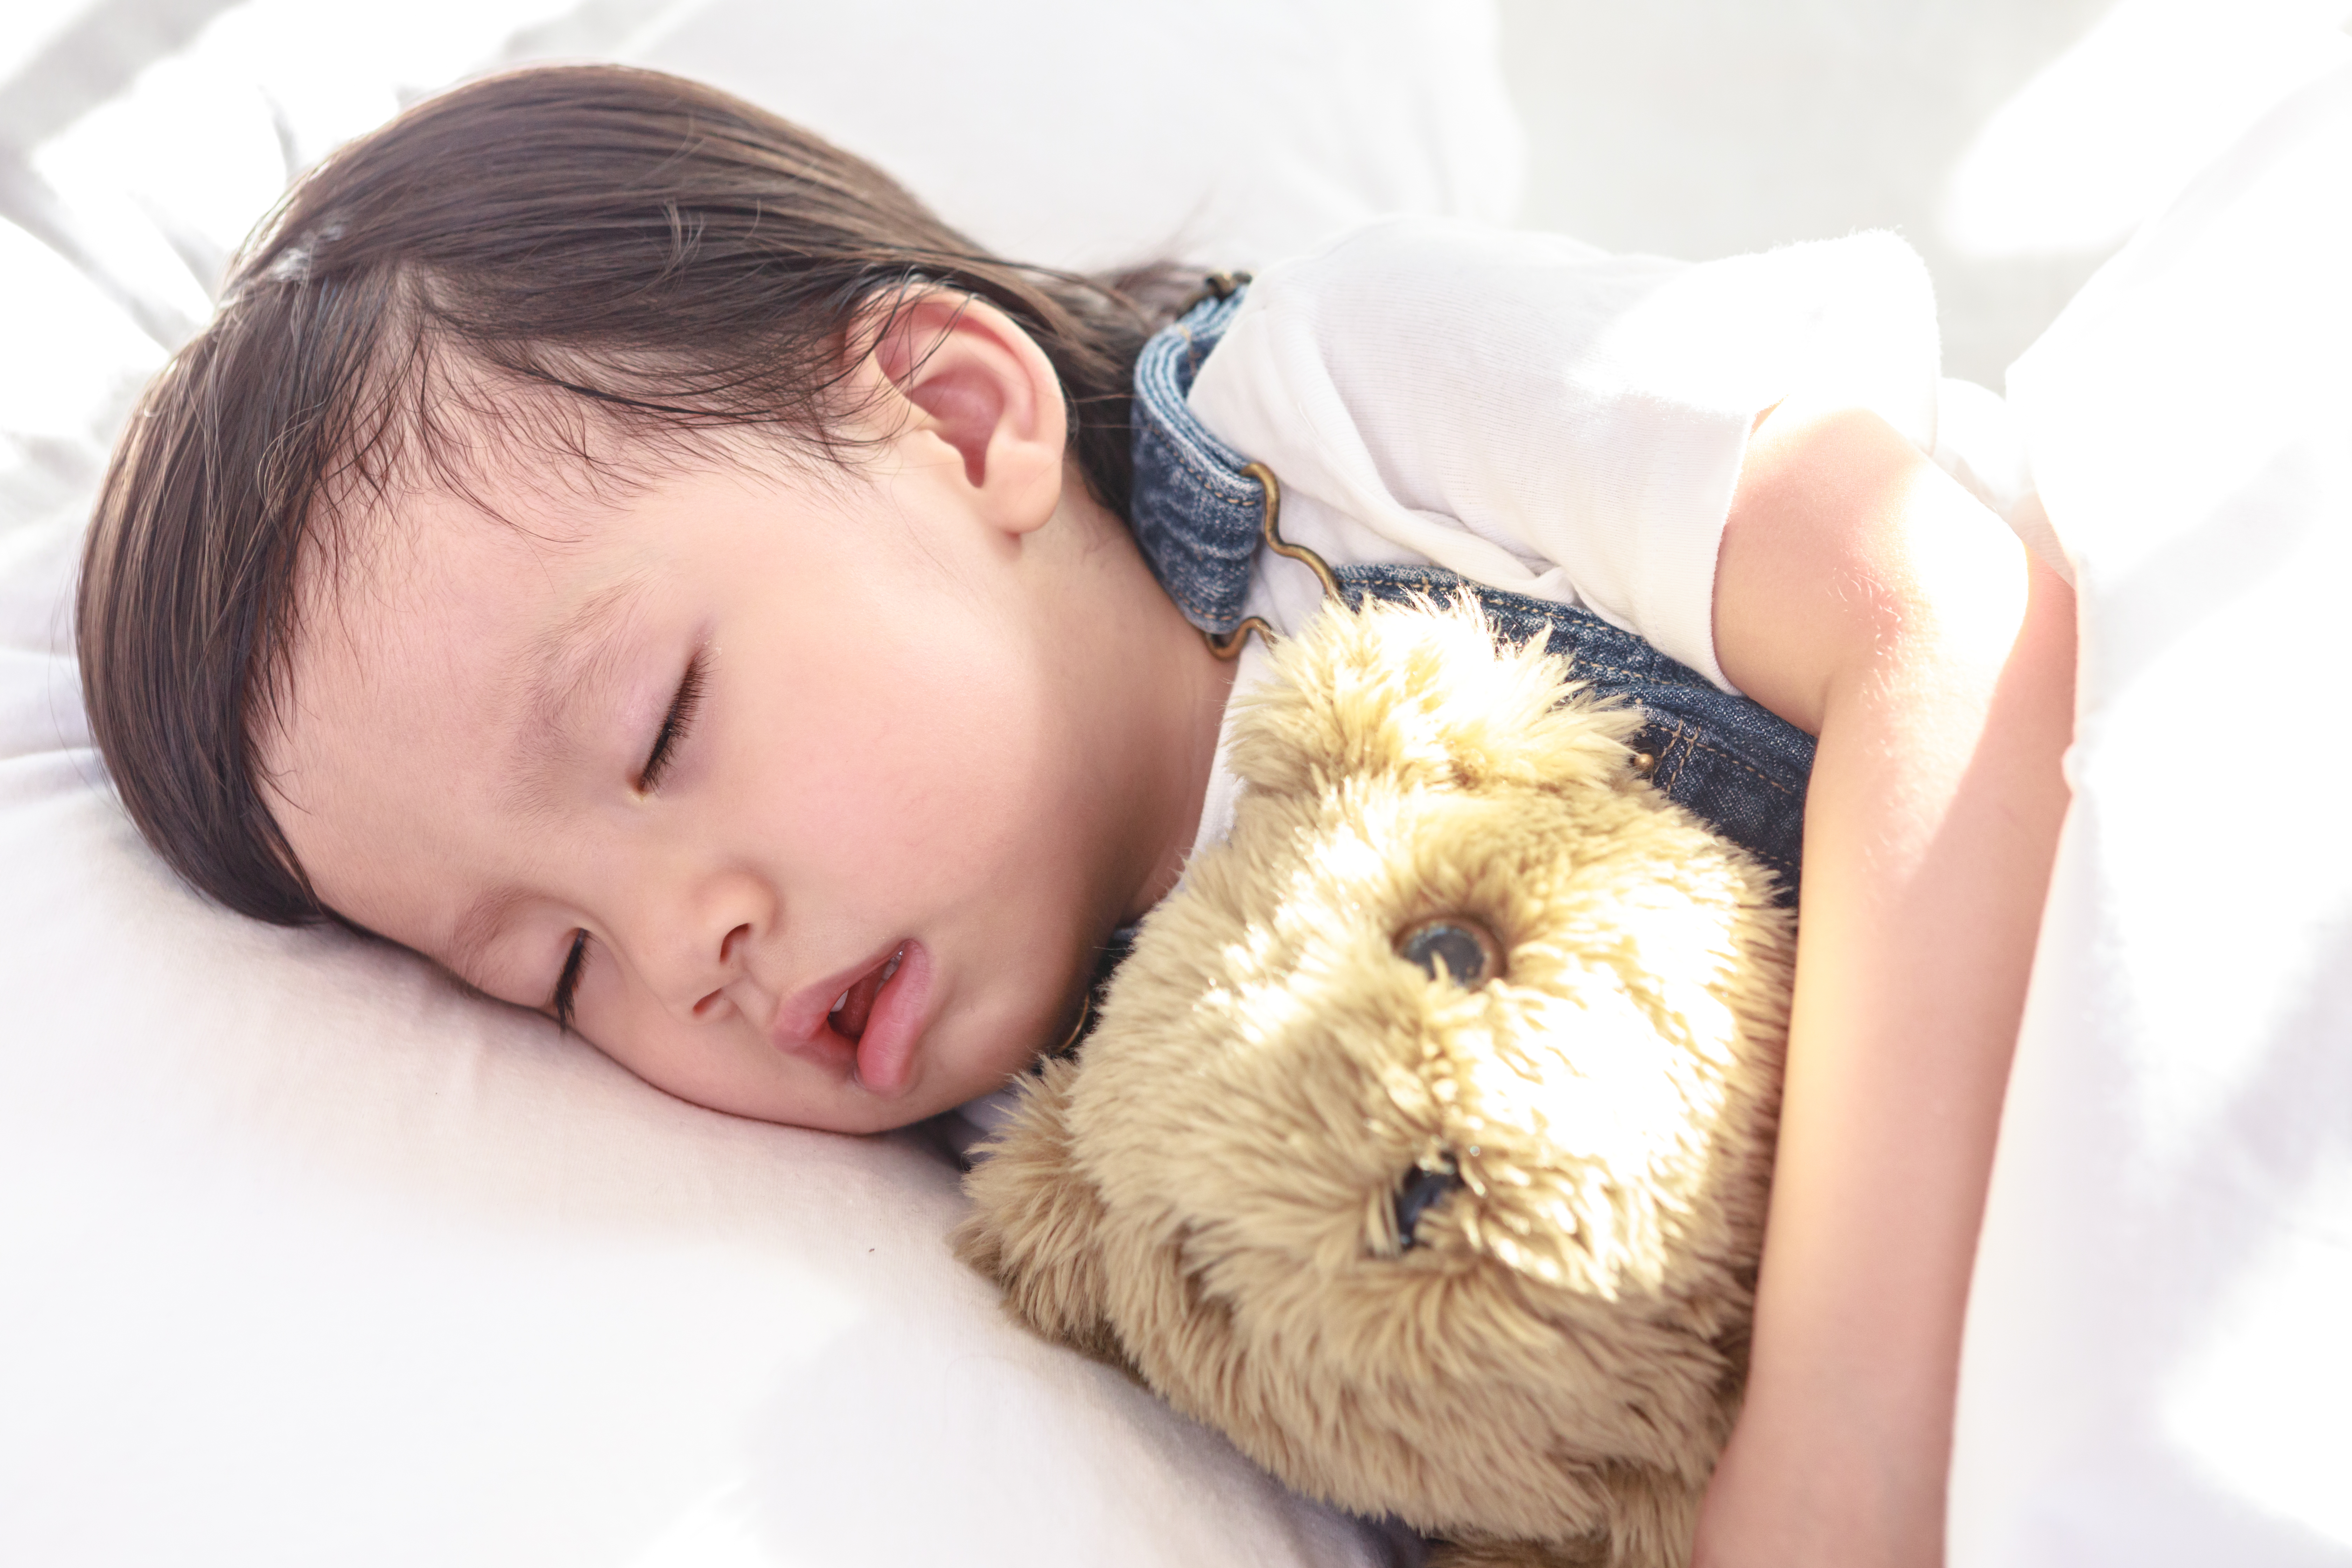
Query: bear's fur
[[1544, 1370]]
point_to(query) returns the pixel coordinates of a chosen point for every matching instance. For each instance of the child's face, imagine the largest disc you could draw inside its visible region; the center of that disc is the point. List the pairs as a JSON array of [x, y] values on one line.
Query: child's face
[[766, 741]]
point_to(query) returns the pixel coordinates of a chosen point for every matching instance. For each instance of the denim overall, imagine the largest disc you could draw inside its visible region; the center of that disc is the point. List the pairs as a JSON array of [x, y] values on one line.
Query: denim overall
[[1198, 518]]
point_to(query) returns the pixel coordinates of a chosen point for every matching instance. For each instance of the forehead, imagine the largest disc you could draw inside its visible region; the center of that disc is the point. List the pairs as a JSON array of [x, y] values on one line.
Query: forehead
[[437, 586], [490, 527], [418, 645]]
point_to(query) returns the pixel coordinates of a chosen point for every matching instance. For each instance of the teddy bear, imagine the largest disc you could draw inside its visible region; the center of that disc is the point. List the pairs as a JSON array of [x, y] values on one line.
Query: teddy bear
[[1423, 1143]]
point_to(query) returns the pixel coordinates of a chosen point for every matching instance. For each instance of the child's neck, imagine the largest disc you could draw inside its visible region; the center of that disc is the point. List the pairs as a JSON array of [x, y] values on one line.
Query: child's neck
[[1152, 696]]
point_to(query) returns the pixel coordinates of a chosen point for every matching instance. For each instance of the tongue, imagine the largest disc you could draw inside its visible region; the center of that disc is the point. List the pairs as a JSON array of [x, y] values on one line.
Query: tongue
[[850, 1018]]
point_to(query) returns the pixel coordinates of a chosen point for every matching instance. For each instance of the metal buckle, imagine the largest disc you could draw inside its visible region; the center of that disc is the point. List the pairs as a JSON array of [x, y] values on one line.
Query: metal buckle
[[1230, 645]]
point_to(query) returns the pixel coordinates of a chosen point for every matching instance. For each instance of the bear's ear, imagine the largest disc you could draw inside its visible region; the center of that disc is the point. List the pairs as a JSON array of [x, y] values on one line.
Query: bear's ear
[[1036, 1222], [1423, 694]]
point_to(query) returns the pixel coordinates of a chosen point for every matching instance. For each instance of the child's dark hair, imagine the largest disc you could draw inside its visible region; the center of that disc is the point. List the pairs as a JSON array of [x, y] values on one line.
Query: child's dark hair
[[578, 246]]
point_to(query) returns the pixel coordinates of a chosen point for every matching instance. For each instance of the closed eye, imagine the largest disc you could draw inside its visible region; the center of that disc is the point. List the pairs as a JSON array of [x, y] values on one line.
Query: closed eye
[[674, 727], [567, 985]]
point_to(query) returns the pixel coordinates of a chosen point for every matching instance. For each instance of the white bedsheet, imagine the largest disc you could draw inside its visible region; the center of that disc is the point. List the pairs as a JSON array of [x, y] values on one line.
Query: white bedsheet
[[2159, 1365]]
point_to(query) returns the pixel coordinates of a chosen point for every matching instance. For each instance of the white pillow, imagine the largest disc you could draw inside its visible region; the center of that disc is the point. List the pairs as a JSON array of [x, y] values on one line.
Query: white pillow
[[1228, 133], [312, 1258]]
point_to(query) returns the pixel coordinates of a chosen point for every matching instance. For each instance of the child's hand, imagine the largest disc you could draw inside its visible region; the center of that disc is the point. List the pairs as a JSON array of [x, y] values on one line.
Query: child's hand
[[1863, 595]]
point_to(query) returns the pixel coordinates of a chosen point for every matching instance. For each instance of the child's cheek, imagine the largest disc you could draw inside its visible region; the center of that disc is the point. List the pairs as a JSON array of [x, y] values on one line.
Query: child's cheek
[[957, 787]]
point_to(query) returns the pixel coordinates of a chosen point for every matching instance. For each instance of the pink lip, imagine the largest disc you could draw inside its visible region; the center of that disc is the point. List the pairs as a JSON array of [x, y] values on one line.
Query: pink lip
[[882, 1058], [885, 1052]]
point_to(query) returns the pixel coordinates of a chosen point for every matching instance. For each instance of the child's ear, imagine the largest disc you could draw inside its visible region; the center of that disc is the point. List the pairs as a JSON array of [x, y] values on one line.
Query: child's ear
[[970, 380]]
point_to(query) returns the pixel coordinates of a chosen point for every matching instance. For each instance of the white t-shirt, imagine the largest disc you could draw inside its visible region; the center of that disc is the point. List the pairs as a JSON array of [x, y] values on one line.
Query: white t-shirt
[[1539, 415]]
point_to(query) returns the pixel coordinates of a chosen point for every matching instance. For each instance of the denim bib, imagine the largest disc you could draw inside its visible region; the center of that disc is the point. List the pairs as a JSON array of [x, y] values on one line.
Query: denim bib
[[1198, 517]]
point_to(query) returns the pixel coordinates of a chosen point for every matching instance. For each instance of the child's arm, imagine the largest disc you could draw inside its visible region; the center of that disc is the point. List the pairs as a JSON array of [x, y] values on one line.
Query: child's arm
[[1865, 596]]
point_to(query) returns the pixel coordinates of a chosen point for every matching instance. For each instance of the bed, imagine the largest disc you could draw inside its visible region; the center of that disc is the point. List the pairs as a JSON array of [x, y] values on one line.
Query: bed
[[312, 1258]]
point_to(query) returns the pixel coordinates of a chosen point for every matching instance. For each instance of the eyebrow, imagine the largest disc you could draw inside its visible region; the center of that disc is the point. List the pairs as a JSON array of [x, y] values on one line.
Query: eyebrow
[[578, 653]]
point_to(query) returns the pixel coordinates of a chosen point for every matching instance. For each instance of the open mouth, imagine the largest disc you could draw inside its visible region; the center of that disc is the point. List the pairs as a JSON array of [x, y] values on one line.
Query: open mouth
[[854, 1008], [867, 1024]]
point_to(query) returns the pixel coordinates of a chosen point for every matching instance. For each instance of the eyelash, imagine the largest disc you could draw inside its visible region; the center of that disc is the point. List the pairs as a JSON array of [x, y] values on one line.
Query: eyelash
[[674, 727], [567, 985]]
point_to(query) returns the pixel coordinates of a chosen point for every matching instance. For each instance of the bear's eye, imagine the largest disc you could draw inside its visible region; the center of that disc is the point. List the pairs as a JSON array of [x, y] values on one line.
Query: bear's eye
[[1422, 1190], [1469, 952]]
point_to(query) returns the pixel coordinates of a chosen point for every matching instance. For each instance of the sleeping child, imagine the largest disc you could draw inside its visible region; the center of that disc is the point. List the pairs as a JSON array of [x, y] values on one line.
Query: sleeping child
[[628, 550]]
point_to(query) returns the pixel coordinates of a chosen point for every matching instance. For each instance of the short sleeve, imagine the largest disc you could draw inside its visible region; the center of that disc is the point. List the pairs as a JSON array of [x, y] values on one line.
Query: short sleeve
[[1545, 417]]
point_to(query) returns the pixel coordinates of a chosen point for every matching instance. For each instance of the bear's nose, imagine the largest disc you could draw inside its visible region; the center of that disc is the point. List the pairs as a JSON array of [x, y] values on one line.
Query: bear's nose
[[1423, 1189], [1468, 951]]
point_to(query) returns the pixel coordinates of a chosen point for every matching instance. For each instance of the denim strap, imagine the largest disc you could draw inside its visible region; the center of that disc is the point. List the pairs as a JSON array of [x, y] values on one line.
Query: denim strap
[[1194, 514], [1740, 767]]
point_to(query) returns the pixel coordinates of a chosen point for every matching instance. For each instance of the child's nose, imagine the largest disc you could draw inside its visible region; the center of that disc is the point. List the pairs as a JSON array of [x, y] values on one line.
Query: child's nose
[[704, 939], [730, 964]]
